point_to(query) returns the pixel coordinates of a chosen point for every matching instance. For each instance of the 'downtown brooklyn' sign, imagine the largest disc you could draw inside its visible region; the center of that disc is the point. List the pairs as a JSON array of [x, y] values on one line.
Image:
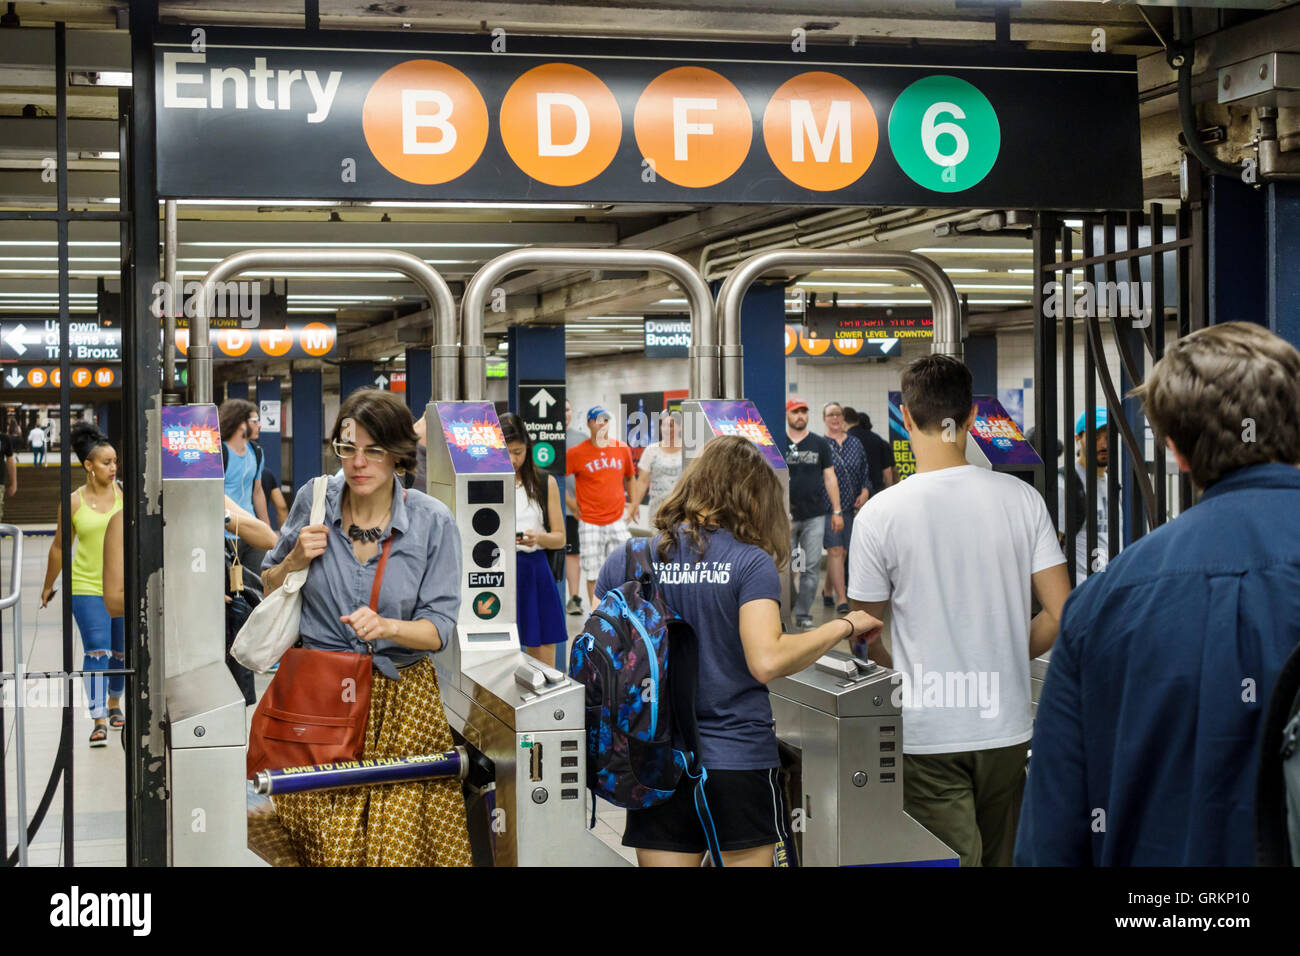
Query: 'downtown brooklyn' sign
[[270, 114]]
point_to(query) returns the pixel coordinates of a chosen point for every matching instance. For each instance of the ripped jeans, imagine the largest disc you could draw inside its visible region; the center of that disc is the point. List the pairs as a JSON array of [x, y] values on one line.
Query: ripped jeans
[[103, 639]]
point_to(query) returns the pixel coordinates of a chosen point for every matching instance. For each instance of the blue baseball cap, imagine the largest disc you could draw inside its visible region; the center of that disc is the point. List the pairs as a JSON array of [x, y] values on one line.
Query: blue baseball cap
[[1082, 423], [595, 412]]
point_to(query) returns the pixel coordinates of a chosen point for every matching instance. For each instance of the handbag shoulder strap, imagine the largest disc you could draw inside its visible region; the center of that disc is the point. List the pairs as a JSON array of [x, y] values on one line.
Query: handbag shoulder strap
[[379, 571], [319, 486]]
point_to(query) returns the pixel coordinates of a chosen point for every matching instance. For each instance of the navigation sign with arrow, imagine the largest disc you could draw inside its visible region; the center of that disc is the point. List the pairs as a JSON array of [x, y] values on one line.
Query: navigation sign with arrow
[[46, 376], [37, 340], [541, 406]]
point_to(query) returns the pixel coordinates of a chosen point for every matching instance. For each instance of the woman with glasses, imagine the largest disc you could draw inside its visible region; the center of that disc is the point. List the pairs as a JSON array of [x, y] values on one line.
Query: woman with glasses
[[366, 509]]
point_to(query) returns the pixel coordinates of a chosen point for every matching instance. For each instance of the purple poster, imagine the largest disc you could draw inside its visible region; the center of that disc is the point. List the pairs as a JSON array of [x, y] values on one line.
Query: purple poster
[[474, 438], [999, 436], [742, 418], [191, 442]]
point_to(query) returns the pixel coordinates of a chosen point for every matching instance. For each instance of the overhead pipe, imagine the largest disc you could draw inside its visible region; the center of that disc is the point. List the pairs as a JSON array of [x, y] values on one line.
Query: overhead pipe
[[937, 285], [704, 332], [431, 283]]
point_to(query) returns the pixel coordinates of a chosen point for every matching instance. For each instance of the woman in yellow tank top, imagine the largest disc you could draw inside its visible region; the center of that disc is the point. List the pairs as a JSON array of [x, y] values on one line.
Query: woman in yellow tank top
[[102, 638]]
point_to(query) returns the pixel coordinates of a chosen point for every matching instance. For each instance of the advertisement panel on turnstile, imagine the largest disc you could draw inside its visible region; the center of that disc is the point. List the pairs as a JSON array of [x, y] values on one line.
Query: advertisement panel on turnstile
[[994, 442], [525, 719], [204, 707]]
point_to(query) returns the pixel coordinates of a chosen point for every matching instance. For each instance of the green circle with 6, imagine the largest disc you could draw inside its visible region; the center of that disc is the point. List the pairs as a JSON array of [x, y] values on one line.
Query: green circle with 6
[[944, 133], [543, 454]]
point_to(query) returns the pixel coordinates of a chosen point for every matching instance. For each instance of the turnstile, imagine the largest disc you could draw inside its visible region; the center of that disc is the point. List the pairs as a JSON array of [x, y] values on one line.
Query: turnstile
[[526, 719], [840, 729]]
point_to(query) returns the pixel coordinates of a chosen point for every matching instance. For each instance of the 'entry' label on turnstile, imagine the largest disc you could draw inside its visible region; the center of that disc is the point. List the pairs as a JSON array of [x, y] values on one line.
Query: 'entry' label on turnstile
[[487, 579]]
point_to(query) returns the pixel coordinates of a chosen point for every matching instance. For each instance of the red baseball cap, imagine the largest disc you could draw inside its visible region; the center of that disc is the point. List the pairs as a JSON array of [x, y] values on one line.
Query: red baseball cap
[[794, 403]]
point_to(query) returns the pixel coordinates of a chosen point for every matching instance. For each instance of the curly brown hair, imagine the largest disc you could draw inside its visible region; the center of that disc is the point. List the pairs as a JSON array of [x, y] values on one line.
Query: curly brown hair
[[386, 418], [1228, 396], [731, 486]]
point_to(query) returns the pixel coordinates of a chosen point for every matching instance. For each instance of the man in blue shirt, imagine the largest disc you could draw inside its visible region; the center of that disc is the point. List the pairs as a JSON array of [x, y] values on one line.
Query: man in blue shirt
[[1146, 742], [243, 466]]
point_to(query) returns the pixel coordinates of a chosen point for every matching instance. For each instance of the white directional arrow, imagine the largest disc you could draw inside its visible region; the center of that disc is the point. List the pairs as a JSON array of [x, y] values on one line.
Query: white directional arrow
[[886, 345], [14, 338], [543, 400], [14, 378], [381, 381]]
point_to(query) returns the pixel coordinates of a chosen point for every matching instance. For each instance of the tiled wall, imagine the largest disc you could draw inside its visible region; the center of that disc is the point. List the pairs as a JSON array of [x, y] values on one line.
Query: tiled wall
[[601, 380]]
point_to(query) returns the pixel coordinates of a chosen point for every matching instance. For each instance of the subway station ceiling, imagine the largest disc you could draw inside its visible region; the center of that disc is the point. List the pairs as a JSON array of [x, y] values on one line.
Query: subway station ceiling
[[986, 251]]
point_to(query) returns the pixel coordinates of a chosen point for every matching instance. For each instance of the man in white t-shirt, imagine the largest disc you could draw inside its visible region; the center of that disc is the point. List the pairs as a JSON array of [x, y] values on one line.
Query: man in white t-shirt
[[953, 552]]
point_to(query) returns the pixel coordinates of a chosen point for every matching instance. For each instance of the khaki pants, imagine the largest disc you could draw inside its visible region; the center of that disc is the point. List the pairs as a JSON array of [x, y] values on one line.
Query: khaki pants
[[970, 801]]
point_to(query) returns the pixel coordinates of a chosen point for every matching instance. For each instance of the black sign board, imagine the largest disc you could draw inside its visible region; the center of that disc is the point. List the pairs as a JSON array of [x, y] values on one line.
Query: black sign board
[[868, 323], [37, 340], [667, 336], [541, 406], [47, 376], [487, 579], [257, 114]]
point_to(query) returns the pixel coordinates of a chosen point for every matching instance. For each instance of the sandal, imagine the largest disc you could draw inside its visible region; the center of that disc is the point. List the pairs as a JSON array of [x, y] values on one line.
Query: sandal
[[99, 736], [116, 719]]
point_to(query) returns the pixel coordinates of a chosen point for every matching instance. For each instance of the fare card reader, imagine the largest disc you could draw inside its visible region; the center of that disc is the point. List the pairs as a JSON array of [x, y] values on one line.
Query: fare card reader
[[526, 719], [204, 717], [840, 731], [706, 419]]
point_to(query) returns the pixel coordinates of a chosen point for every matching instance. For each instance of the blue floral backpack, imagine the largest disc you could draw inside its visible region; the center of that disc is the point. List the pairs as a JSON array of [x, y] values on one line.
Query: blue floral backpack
[[638, 661]]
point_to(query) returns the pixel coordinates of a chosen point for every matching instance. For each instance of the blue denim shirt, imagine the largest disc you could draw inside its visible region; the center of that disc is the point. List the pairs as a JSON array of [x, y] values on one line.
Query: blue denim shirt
[[1146, 742], [421, 581]]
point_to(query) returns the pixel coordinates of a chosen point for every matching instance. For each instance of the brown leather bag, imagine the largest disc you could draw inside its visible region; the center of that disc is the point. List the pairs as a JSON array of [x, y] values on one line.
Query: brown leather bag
[[316, 707]]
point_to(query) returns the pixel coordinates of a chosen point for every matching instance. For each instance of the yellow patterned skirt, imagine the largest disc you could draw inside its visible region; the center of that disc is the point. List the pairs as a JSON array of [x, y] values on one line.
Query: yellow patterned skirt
[[400, 824]]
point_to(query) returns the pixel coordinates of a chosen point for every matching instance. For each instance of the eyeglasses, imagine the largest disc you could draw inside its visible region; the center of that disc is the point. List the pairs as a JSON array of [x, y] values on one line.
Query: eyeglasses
[[347, 451]]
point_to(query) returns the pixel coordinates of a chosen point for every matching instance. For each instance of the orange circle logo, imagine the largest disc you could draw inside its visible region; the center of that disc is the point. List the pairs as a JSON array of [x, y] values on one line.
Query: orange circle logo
[[813, 346], [425, 122], [317, 338], [56, 376], [561, 124], [104, 376], [274, 342], [36, 377], [820, 131], [791, 339], [234, 342], [849, 346], [183, 341], [694, 126], [80, 377]]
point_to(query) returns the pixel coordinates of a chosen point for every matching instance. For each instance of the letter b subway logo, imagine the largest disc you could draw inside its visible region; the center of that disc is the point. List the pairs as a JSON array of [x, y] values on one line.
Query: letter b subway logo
[[425, 122]]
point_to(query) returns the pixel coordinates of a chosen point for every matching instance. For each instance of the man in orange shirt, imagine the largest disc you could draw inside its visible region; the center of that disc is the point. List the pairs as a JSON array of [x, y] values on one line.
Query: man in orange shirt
[[602, 469]]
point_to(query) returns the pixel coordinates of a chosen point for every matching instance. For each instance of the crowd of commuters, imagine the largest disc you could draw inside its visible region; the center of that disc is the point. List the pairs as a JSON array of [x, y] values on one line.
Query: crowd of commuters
[[1146, 743]]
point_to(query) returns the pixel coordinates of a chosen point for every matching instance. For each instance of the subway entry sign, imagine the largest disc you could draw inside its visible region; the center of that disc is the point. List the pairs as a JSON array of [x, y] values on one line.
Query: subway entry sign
[[451, 118]]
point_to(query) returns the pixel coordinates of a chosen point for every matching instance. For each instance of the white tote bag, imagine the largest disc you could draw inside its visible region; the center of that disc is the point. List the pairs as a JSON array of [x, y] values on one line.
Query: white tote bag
[[272, 628]]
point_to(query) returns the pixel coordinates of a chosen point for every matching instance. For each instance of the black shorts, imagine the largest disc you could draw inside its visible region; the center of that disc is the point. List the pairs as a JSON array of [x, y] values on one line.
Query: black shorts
[[747, 808], [571, 535]]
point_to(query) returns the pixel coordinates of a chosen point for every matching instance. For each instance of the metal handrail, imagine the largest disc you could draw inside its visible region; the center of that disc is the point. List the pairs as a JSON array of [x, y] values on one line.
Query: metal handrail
[[704, 341], [12, 600], [443, 305], [937, 285]]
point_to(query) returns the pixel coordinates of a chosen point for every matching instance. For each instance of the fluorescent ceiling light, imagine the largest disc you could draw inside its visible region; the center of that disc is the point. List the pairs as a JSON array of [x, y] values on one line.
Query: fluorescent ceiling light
[[56, 259], [347, 245], [873, 269], [1074, 223], [99, 154], [816, 284], [973, 251], [432, 262], [305, 275], [54, 272], [253, 202], [925, 302], [55, 242], [99, 78], [976, 287], [51, 295], [465, 204]]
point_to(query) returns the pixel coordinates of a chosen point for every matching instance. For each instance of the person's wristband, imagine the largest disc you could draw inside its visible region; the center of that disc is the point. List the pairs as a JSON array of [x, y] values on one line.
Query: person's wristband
[[837, 512], [852, 630]]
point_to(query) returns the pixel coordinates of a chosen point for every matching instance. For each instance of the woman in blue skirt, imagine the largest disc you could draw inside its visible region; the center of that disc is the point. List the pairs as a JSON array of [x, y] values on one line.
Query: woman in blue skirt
[[539, 527]]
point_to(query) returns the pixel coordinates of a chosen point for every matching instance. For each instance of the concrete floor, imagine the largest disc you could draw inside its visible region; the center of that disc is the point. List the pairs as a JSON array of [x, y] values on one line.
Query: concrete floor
[[99, 798]]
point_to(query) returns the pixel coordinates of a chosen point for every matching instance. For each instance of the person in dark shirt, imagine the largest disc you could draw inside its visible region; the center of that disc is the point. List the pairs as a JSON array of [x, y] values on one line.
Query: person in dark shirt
[[275, 498], [880, 453], [1146, 743], [813, 487]]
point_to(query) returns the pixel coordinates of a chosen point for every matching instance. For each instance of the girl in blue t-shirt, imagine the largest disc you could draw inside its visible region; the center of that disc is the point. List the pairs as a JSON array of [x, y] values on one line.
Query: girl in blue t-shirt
[[722, 534]]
